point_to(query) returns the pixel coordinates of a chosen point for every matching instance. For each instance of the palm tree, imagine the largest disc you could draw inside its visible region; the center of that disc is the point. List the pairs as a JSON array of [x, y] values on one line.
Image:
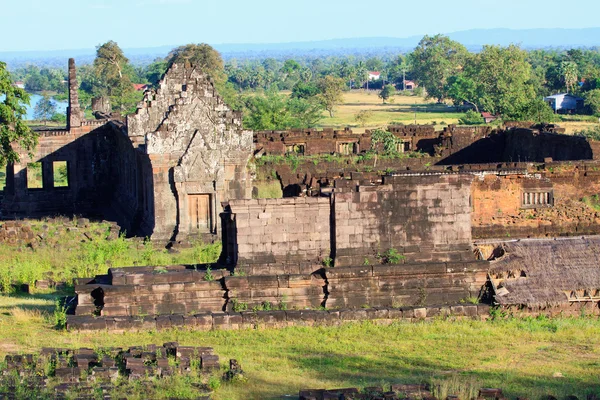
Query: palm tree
[[569, 72]]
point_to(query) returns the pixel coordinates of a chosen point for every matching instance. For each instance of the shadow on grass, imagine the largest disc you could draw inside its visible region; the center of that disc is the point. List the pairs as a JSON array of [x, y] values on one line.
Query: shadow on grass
[[27, 302], [360, 372]]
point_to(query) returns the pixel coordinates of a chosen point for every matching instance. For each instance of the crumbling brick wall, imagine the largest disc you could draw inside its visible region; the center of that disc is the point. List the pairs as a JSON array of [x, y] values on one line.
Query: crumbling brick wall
[[553, 206], [311, 142]]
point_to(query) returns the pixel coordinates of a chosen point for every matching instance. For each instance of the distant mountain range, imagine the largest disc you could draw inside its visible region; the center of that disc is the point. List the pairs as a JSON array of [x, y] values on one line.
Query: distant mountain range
[[472, 39]]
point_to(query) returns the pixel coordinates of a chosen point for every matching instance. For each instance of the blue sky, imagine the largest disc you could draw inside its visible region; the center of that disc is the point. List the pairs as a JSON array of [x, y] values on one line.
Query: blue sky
[[75, 24]]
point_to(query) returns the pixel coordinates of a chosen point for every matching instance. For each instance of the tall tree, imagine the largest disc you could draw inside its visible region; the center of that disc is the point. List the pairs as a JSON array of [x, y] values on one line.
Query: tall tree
[[569, 71], [114, 73], [497, 80], [202, 56], [387, 92], [330, 94], [44, 109], [13, 130], [434, 61], [592, 100]]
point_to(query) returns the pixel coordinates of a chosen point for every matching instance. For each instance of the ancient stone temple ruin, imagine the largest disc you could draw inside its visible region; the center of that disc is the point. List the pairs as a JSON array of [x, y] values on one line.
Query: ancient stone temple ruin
[[162, 172], [469, 214]]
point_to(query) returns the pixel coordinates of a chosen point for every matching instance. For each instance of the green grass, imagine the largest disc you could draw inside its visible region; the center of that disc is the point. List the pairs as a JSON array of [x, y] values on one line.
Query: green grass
[[592, 201], [268, 189], [521, 356], [65, 256]]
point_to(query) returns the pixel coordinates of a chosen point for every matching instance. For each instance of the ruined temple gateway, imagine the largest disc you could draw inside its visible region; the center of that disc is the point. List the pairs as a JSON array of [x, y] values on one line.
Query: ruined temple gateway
[[162, 174], [179, 168]]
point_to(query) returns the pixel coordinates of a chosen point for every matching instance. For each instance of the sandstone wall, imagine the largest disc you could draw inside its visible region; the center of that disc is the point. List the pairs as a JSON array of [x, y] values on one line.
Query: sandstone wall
[[197, 149], [279, 231], [423, 217]]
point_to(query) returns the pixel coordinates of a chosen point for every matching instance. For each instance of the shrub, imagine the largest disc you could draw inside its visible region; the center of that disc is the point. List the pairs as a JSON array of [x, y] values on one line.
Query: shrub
[[238, 306], [208, 276], [471, 117]]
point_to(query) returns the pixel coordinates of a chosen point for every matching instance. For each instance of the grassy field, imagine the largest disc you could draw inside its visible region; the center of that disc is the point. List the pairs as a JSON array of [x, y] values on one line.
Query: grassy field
[[63, 255], [405, 109], [402, 110], [526, 357]]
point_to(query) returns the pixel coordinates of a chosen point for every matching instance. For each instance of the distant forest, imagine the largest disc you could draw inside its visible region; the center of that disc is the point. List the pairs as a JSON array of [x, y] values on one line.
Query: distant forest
[[503, 80]]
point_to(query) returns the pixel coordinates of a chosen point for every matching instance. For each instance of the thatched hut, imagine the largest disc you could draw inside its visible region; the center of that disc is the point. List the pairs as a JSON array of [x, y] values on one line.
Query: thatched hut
[[546, 273]]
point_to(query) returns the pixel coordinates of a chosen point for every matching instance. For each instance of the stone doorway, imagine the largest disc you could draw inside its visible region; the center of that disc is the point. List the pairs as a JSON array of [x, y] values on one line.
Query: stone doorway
[[199, 213]]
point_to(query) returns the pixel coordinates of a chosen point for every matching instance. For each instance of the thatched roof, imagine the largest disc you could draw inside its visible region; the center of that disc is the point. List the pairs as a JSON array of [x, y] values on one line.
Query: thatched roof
[[538, 272]]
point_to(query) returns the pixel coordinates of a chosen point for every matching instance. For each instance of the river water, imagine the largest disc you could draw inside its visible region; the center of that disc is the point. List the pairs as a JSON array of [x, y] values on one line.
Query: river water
[[61, 106]]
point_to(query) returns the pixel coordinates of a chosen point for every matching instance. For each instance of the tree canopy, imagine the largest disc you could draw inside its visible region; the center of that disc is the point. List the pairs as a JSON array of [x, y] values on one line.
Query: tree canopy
[[13, 130], [434, 61], [330, 95], [202, 56], [114, 73]]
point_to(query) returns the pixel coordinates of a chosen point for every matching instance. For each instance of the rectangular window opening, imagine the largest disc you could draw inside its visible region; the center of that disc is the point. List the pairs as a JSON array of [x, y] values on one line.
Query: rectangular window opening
[[2, 179], [60, 174], [35, 176], [537, 199]]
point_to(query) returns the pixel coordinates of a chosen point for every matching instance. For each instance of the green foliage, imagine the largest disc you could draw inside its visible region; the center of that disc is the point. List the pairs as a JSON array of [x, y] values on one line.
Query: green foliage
[[44, 109], [392, 256], [592, 201], [114, 77], [274, 111], [592, 100], [208, 276], [591, 133], [387, 92], [238, 306], [434, 61], [471, 117], [327, 262], [60, 314], [462, 386], [387, 139], [363, 117], [214, 383], [305, 90], [330, 95], [88, 258], [58, 117], [13, 130], [202, 56], [537, 110]]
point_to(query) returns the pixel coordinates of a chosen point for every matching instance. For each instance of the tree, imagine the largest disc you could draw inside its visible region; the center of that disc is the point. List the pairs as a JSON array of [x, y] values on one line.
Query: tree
[[539, 111], [592, 100], [331, 92], [110, 61], [156, 70], [363, 117], [302, 90], [201, 56], [275, 111], [387, 92], [462, 89], [13, 130], [434, 61], [44, 109], [569, 73], [497, 80], [209, 61], [114, 74]]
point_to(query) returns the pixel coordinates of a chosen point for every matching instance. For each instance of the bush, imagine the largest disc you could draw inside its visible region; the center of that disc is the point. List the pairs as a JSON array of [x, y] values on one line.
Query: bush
[[591, 134], [471, 117]]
